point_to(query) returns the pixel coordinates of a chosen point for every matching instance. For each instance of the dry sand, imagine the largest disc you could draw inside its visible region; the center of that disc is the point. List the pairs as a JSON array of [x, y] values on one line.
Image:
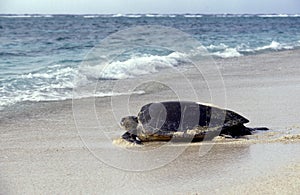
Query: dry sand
[[50, 148]]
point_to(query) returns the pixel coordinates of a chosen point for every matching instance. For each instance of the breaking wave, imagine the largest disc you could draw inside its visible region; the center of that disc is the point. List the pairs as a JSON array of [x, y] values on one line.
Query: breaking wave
[[55, 83], [275, 46], [26, 16], [225, 51], [278, 15], [134, 66], [52, 83]]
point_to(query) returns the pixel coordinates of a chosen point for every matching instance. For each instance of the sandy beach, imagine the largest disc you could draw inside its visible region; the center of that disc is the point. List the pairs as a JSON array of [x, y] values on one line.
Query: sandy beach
[[70, 147]]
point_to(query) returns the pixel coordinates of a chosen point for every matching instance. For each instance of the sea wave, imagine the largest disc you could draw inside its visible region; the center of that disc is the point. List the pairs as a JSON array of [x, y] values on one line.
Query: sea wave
[[134, 66], [228, 53], [44, 96], [155, 15], [196, 15], [278, 15], [26, 72], [27, 16], [133, 15], [57, 74], [193, 16], [91, 16], [274, 45], [53, 83], [224, 51], [57, 83], [138, 65], [118, 15]]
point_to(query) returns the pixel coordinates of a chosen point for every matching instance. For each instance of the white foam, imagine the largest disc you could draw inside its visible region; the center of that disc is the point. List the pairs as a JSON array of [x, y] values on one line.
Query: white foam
[[154, 15], [133, 67], [274, 46], [44, 16], [227, 15], [117, 15], [50, 73], [27, 16], [53, 83], [224, 51], [109, 94], [16, 16], [278, 15], [217, 47], [193, 16], [91, 16], [127, 15], [228, 53], [47, 93], [133, 15]]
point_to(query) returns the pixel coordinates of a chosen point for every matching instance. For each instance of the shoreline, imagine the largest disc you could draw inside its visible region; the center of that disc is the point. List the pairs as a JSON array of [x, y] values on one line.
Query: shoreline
[[222, 64]]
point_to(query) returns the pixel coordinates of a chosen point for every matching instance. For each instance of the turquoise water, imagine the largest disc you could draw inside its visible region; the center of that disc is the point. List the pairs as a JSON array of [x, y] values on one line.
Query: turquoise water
[[40, 54]]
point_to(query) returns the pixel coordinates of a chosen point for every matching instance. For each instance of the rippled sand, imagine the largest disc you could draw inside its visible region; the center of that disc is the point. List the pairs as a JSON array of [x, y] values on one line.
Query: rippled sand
[[48, 147]]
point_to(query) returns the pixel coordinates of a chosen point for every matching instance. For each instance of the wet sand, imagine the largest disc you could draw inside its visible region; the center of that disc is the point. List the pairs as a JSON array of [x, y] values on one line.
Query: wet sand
[[68, 147]]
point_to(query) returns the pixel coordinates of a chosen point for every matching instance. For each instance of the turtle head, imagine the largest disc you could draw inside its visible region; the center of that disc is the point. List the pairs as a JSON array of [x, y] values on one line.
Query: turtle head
[[129, 122]]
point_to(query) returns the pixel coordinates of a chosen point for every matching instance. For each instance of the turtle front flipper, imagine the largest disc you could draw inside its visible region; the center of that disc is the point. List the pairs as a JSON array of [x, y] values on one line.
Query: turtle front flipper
[[131, 138], [136, 139]]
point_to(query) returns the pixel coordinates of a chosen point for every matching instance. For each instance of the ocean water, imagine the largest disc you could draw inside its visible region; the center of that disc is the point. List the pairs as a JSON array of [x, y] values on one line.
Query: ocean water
[[41, 55]]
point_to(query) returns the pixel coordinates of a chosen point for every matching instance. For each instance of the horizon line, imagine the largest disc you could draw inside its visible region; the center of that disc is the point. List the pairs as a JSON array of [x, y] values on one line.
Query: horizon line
[[187, 13]]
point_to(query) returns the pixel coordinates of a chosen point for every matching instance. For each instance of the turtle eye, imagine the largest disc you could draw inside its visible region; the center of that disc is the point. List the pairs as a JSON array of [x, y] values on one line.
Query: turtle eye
[[122, 122]]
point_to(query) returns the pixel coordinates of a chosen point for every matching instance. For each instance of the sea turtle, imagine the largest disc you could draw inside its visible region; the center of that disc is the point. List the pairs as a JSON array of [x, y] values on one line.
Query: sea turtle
[[183, 121]]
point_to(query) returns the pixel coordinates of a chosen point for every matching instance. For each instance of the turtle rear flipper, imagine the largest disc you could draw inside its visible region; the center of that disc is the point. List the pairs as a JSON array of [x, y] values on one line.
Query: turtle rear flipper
[[236, 130]]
